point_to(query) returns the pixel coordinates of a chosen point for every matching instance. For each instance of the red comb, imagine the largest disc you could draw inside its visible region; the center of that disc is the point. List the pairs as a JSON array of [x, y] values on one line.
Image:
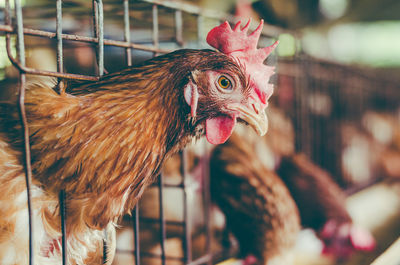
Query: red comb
[[243, 48]]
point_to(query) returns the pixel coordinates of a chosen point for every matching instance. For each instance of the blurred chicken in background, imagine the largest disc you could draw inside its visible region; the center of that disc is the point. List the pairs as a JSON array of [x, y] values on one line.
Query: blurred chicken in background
[[320, 201], [258, 207]]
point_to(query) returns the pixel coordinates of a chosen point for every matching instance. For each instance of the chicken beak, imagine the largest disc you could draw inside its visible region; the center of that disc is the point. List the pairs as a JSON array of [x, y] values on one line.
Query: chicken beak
[[255, 116]]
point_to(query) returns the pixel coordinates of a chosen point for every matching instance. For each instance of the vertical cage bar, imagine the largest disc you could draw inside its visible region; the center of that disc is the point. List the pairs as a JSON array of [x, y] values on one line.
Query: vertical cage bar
[[60, 62], [207, 201], [137, 231], [95, 22], [105, 247], [62, 199], [20, 32], [179, 27], [127, 35], [155, 27], [187, 240], [128, 55], [28, 167], [162, 217], [100, 36], [98, 23]]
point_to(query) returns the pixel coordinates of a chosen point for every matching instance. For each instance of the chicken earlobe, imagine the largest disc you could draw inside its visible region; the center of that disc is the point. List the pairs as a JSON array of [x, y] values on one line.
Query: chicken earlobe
[[192, 97]]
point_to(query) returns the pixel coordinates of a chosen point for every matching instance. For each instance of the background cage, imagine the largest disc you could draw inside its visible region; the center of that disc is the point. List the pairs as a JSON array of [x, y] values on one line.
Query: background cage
[[132, 31]]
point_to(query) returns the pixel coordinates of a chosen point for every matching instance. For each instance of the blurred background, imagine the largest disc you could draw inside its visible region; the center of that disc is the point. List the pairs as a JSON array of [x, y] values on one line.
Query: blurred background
[[337, 87]]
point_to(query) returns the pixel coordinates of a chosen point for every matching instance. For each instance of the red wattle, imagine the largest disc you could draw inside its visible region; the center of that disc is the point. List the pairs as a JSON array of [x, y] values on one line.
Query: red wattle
[[219, 129], [261, 95]]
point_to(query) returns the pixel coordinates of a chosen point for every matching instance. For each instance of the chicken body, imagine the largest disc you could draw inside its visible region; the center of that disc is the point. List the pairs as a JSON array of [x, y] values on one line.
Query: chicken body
[[258, 207], [304, 179], [103, 143]]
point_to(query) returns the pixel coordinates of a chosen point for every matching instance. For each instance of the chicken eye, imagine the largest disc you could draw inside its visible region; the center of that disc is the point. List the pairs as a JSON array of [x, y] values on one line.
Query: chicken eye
[[224, 83]]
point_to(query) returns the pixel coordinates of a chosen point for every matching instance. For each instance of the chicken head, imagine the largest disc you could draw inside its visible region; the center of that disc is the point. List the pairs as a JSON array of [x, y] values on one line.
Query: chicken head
[[240, 93]]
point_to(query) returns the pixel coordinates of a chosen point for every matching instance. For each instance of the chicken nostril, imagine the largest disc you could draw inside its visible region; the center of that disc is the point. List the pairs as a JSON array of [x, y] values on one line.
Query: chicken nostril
[[254, 108]]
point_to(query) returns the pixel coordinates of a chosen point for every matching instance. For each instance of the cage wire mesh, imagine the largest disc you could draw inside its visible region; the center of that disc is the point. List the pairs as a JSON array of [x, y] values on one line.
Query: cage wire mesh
[[335, 108], [327, 102]]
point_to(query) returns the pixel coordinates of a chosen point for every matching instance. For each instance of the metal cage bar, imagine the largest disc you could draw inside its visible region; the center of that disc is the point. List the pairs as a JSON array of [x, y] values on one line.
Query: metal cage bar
[[62, 200], [24, 121], [85, 39], [207, 202], [136, 235], [127, 35], [187, 240], [60, 58], [98, 23], [163, 232]]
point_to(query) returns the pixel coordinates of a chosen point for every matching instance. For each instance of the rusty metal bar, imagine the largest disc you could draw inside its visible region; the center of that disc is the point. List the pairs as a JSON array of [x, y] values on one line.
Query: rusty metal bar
[[105, 246], [127, 35], [99, 17], [98, 25], [128, 55], [24, 121], [86, 39], [62, 199], [101, 37], [163, 234], [155, 37], [32, 71], [60, 69], [170, 185], [95, 22], [136, 230], [60, 62], [207, 201], [27, 70], [187, 233]]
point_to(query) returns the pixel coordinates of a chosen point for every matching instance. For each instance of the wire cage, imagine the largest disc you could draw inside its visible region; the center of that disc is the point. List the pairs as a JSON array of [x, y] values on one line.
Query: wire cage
[[333, 104], [320, 97]]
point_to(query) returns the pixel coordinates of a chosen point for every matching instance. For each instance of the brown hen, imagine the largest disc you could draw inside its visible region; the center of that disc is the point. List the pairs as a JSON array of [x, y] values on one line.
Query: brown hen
[[104, 142], [259, 209]]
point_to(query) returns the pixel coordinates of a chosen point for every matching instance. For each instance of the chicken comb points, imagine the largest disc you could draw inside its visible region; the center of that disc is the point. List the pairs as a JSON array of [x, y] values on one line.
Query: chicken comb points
[[228, 40], [243, 48]]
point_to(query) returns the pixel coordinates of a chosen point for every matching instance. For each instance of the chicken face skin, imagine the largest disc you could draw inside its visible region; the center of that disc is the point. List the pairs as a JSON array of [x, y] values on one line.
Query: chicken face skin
[[220, 97]]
